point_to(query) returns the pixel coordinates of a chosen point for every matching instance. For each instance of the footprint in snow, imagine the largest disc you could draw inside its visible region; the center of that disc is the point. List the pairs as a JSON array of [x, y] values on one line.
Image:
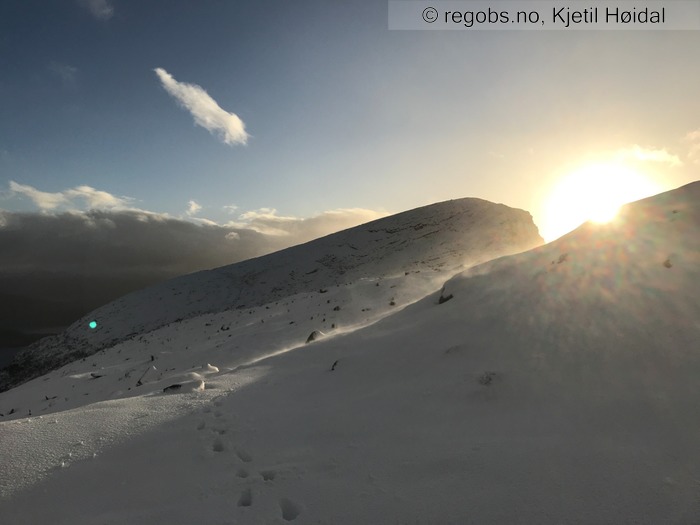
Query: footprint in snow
[[218, 445], [290, 509], [268, 475], [246, 498], [243, 455]]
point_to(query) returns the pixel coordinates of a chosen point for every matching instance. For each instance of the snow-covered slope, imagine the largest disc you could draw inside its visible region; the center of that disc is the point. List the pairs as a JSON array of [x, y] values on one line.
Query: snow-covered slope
[[427, 243], [558, 385]]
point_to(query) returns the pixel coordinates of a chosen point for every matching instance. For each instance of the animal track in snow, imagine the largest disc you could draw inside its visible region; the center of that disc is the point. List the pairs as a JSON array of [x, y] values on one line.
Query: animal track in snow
[[246, 498], [218, 445], [290, 510], [268, 475], [243, 455]]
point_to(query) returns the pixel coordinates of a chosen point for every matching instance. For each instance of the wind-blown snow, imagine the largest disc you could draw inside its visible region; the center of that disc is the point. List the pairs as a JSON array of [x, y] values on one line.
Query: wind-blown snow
[[558, 385], [436, 240]]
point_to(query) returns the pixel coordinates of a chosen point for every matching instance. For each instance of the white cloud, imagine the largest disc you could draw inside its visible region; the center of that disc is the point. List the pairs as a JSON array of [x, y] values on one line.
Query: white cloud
[[44, 200], [693, 141], [193, 208], [267, 222], [90, 197], [272, 230], [231, 208], [100, 9], [65, 72], [233, 236], [124, 230], [204, 109], [649, 155], [96, 199], [204, 222], [263, 213]]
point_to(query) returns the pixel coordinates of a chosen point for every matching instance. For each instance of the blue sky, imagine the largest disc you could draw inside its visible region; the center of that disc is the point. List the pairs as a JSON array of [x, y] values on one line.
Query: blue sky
[[340, 112]]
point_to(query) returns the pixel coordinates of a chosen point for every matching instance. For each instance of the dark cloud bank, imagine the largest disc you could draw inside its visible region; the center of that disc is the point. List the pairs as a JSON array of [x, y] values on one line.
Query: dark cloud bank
[[54, 268]]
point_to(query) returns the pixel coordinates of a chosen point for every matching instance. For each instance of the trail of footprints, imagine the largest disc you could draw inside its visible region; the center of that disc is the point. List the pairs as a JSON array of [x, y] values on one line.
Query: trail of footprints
[[289, 509]]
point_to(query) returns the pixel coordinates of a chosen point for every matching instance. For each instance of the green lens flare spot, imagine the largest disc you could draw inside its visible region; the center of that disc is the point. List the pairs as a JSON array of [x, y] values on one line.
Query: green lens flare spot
[[93, 325]]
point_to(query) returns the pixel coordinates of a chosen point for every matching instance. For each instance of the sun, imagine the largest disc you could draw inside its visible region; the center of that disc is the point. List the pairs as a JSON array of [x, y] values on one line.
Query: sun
[[594, 192]]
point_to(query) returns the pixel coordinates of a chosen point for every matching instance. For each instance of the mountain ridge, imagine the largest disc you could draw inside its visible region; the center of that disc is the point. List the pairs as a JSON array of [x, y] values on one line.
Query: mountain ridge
[[437, 238]]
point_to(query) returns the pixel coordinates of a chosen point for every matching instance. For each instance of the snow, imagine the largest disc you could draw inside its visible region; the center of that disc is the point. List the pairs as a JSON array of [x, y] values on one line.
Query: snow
[[433, 241], [558, 385]]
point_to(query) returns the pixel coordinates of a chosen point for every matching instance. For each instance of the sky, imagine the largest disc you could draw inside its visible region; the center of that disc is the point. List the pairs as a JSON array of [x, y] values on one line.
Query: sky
[[335, 110], [289, 120]]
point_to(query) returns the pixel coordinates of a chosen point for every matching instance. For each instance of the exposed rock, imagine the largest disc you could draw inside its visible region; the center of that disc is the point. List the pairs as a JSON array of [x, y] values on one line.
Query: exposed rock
[[316, 334]]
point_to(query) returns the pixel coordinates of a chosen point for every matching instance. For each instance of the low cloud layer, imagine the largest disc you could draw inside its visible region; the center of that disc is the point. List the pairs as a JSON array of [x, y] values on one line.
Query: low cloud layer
[[56, 266], [267, 222], [78, 197], [204, 109], [100, 9], [117, 241]]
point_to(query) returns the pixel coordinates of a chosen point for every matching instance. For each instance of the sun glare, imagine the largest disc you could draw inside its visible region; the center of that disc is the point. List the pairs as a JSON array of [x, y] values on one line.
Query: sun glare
[[592, 193]]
